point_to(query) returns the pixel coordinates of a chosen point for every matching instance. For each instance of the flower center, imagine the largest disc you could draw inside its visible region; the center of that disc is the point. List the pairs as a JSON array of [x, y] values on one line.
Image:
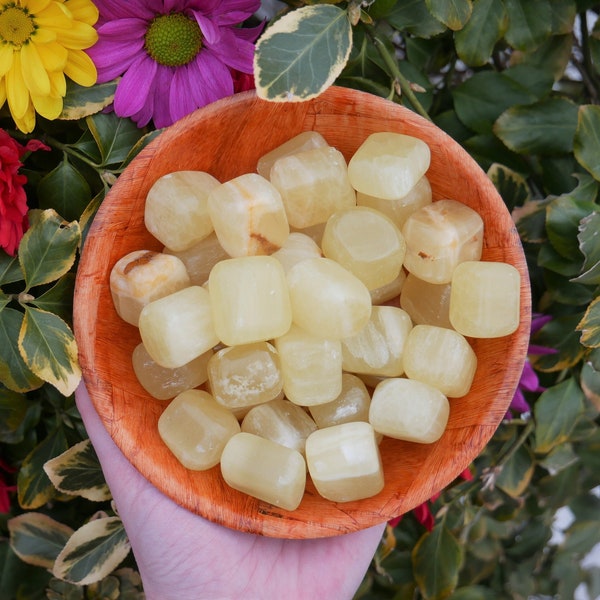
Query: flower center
[[16, 26], [173, 40]]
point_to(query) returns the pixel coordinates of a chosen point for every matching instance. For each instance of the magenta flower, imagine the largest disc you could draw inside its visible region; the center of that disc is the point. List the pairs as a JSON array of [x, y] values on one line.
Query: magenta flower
[[173, 55], [529, 381]]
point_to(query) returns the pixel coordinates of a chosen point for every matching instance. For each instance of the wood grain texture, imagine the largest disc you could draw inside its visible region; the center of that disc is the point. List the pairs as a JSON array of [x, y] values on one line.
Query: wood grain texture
[[226, 139]]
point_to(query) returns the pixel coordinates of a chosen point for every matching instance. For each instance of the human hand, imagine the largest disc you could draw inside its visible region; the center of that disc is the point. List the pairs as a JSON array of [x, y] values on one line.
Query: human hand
[[183, 556]]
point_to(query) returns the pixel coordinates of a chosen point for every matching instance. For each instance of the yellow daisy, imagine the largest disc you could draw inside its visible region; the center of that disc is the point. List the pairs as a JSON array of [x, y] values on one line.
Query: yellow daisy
[[41, 41]]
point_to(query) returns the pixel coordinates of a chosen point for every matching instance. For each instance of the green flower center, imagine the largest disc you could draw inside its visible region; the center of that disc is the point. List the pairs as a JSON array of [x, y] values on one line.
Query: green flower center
[[16, 25], [173, 40]]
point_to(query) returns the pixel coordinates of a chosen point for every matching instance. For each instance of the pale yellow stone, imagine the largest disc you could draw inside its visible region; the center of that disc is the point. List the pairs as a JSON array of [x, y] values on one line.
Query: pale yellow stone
[[410, 410], [296, 248], [344, 462], [307, 140], [244, 376], [162, 383], [399, 209], [388, 292], [352, 404], [388, 165], [378, 348], [142, 276], [311, 366], [196, 428], [176, 212], [248, 216], [485, 299], [179, 327], [250, 300], [440, 236], [201, 258], [265, 470], [327, 300], [426, 303], [281, 421], [367, 243], [313, 185], [441, 358]]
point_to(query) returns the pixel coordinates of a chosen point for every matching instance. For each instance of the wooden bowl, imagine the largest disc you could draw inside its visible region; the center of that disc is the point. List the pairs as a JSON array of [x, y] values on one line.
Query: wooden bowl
[[226, 139]]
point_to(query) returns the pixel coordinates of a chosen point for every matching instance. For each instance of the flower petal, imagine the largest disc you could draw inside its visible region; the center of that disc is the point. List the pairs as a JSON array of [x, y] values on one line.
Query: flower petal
[[34, 74], [59, 84], [80, 68], [16, 90], [35, 6], [234, 52], [6, 58], [83, 10], [133, 89], [47, 106]]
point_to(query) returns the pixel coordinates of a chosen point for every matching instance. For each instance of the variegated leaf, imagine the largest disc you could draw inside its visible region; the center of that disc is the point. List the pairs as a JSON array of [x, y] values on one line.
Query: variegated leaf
[[49, 349], [78, 472], [93, 551], [37, 539]]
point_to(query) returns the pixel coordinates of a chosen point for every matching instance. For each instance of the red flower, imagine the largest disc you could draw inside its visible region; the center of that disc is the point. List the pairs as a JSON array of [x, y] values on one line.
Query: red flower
[[423, 512], [13, 201], [5, 489]]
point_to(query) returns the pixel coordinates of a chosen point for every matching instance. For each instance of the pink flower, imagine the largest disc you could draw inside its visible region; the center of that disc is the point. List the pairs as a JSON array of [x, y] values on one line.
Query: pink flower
[[13, 200], [173, 55], [5, 489]]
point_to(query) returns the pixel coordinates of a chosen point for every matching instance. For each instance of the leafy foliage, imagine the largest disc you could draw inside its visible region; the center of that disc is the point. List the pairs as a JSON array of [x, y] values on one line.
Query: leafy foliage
[[517, 83]]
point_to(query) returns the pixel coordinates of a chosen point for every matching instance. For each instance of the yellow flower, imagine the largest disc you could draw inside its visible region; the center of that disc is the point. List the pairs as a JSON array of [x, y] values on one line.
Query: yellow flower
[[41, 41]]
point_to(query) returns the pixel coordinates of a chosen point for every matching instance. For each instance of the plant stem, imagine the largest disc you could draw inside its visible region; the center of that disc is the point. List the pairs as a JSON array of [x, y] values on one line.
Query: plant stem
[[392, 65]]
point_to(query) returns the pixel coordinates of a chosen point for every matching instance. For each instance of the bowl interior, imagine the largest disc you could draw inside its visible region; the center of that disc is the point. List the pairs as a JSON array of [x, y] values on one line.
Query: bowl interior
[[226, 139]]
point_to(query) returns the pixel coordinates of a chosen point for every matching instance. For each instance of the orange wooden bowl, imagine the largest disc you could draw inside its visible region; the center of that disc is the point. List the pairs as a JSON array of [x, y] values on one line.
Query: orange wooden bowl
[[226, 139]]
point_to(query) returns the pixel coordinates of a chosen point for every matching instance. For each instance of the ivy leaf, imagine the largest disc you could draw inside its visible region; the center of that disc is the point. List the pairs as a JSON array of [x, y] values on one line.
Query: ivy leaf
[[586, 145], [93, 551], [476, 40], [14, 373], [516, 474], [65, 190], [546, 127], [531, 221], [530, 23], [590, 382], [551, 56], [16, 413], [80, 102], [302, 53], [589, 244], [34, 487], [590, 325], [59, 298], [454, 14], [556, 413], [563, 217], [37, 539], [512, 186], [10, 270], [77, 472], [114, 136], [48, 347], [560, 334], [413, 17], [47, 250], [437, 559]]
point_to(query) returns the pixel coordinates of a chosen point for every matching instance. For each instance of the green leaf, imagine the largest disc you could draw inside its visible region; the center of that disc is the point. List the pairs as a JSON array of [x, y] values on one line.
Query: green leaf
[[586, 144], [563, 217], [552, 56], [589, 245], [590, 383], [14, 373], [516, 474], [413, 17], [10, 270], [530, 23], [48, 347], [65, 190], [590, 325], [37, 539], [77, 472], [34, 487], [114, 137], [475, 42], [556, 413], [59, 298], [437, 559], [47, 250], [581, 537], [512, 186], [547, 127], [559, 458], [482, 98], [531, 221], [93, 551], [301, 54], [452, 13], [80, 102], [559, 334], [16, 414]]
